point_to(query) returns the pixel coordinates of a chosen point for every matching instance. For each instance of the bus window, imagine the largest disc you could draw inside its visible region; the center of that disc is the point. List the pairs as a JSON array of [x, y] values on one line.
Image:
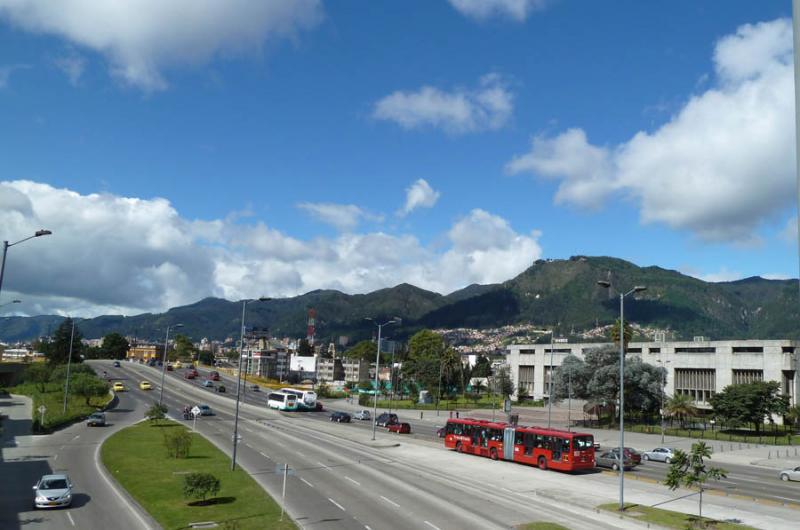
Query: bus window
[[582, 443], [518, 438], [529, 442], [565, 445]]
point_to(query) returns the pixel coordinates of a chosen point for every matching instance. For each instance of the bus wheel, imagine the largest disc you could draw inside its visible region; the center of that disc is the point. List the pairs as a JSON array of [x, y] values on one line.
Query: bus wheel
[[493, 453], [459, 447], [542, 462]]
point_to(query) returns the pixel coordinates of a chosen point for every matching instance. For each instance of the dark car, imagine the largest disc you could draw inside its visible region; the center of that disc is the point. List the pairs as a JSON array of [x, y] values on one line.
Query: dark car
[[441, 431], [214, 376], [340, 417], [386, 418], [169, 368], [255, 388], [221, 389], [116, 364], [611, 459], [96, 419], [634, 455], [319, 407], [399, 428]]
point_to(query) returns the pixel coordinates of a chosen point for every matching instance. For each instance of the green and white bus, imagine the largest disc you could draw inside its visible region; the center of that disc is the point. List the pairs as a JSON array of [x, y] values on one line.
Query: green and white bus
[[282, 401], [306, 399]]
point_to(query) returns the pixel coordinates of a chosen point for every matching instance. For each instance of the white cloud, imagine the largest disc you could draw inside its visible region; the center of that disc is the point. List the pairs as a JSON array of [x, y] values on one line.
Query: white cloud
[[111, 254], [73, 66], [722, 275], [721, 166], [6, 71], [343, 216], [487, 107], [140, 38], [483, 9], [419, 195]]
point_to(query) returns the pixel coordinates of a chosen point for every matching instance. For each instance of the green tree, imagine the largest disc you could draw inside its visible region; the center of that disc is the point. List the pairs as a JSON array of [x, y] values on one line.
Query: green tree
[[205, 357], [156, 412], [57, 350], [304, 348], [575, 373], [482, 368], [691, 470], [184, 349], [750, 403], [626, 330], [502, 383], [680, 406], [423, 364], [364, 350], [39, 374], [177, 442], [200, 485], [115, 346], [59, 373], [792, 415], [87, 386]]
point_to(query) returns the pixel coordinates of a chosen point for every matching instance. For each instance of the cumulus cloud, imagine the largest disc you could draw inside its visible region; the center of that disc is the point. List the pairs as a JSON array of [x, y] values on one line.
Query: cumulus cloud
[[140, 38], [419, 195], [721, 166], [483, 9], [342, 216], [112, 254], [487, 107]]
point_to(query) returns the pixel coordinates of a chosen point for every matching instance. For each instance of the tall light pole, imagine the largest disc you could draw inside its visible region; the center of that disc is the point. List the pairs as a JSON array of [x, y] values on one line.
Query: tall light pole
[[622, 296], [663, 391], [239, 381], [550, 391], [7, 245], [69, 363], [395, 320], [164, 361]]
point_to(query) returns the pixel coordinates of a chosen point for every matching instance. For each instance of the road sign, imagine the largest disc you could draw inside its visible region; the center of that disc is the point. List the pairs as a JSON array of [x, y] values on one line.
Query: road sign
[[280, 468], [238, 438], [196, 410], [42, 409]]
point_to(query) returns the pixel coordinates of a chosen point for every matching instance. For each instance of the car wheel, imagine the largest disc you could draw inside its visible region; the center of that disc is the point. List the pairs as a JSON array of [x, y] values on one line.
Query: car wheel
[[784, 477], [493, 453], [668, 460], [459, 447], [542, 463], [615, 467], [645, 458]]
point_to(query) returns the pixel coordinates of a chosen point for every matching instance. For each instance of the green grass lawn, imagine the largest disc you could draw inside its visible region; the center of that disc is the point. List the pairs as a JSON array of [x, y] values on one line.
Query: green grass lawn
[[136, 457], [672, 519], [53, 399]]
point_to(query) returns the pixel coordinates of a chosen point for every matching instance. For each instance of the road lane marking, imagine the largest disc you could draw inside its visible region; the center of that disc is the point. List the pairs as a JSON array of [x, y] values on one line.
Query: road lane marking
[[248, 430], [432, 525], [77, 436], [71, 520], [324, 466], [299, 453], [390, 502], [337, 504], [367, 527], [55, 457], [307, 482], [265, 455], [353, 481]]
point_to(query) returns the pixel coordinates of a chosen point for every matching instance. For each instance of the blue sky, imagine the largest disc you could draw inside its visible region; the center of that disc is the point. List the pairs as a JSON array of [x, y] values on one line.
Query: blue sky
[[187, 151]]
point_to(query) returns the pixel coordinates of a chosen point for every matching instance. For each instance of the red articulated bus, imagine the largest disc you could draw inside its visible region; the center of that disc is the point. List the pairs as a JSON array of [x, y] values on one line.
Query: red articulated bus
[[538, 446]]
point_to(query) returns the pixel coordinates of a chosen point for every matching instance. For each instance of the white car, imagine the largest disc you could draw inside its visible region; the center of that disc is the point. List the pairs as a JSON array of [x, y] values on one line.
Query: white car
[[659, 454], [362, 415], [790, 474], [53, 491]]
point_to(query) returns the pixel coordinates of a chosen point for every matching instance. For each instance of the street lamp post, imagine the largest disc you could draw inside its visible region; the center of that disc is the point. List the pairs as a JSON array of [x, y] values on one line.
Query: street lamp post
[[622, 296], [69, 363], [164, 362], [550, 385], [663, 391], [7, 245], [395, 320], [239, 381]]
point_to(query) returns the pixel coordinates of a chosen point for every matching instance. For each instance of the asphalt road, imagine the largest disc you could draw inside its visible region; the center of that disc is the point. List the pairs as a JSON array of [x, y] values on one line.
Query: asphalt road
[[341, 483], [96, 504]]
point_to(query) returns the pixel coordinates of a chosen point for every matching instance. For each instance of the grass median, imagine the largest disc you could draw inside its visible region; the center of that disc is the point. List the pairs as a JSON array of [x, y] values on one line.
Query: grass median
[[138, 460], [670, 519]]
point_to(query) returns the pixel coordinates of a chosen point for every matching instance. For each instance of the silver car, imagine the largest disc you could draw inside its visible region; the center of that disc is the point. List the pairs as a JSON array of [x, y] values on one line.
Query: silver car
[[611, 459], [53, 491], [790, 474], [659, 454], [362, 415]]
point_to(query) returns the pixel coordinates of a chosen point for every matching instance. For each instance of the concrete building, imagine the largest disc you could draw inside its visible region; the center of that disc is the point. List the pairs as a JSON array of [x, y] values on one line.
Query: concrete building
[[144, 352], [698, 368]]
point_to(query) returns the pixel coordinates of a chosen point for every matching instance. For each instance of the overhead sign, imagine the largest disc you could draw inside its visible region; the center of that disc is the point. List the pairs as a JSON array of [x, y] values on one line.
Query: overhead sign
[[196, 410], [42, 409]]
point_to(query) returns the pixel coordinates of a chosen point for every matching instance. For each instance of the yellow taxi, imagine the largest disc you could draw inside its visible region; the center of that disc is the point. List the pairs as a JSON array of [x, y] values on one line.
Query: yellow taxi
[[119, 387], [177, 365], [145, 385]]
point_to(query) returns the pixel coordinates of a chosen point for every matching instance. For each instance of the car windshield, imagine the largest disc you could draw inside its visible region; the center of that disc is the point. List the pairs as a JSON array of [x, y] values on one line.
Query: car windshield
[[55, 484]]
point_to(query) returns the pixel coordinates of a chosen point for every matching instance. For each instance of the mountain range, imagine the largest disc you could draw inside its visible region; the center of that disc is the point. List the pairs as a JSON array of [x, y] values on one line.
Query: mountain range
[[560, 292]]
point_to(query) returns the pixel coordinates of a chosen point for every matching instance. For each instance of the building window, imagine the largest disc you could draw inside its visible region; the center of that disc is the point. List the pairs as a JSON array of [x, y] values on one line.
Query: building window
[[699, 384], [748, 349], [696, 349], [526, 350], [634, 350], [654, 350], [548, 370], [741, 377], [787, 385], [526, 378], [558, 350], [787, 349]]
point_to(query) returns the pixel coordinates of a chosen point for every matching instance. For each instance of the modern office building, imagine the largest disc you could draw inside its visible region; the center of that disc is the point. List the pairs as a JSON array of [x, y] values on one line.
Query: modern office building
[[698, 368]]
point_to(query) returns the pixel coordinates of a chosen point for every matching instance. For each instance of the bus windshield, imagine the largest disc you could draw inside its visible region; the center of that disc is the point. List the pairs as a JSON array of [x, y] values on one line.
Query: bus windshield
[[583, 442]]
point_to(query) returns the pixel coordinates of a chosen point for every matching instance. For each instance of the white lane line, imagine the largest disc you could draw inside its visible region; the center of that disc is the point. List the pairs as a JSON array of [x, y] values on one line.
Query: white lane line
[[432, 525], [71, 520], [323, 465], [508, 490], [248, 445], [367, 527], [307, 482], [248, 430], [299, 453], [353, 481], [55, 457], [337, 504], [77, 436], [265, 455], [390, 501], [784, 498]]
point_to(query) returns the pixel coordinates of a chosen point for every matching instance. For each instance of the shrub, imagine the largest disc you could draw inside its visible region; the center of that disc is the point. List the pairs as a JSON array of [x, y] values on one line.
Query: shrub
[[200, 485], [177, 442], [156, 412]]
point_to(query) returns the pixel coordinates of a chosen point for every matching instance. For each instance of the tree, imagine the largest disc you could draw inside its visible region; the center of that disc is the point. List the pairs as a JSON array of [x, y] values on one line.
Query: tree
[[156, 412], [691, 471], [177, 442], [87, 386], [572, 372], [200, 485], [205, 357], [750, 403], [304, 348], [57, 350], [792, 415], [364, 350], [115, 346], [626, 330], [681, 406], [184, 349], [59, 373], [426, 350], [502, 382], [39, 374], [483, 367]]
